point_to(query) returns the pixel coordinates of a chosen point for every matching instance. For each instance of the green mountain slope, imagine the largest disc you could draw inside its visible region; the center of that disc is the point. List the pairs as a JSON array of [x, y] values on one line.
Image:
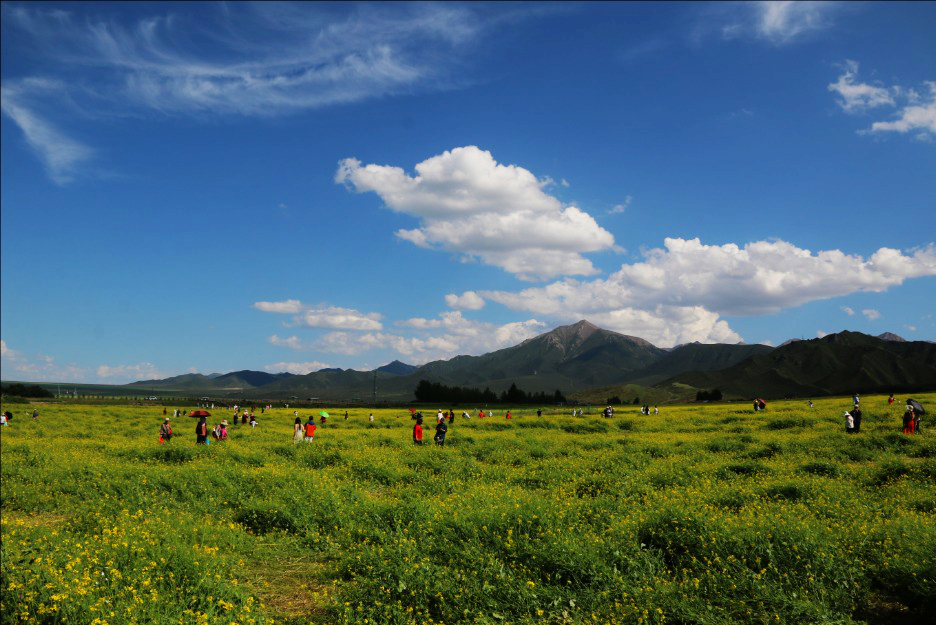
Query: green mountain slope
[[837, 364]]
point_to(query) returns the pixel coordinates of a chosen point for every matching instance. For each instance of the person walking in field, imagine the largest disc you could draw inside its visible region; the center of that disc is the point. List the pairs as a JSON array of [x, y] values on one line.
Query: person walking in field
[[201, 431], [310, 429], [35, 414], [508, 415], [856, 416], [418, 431], [297, 431], [441, 431], [165, 431], [370, 418], [849, 423], [908, 421]]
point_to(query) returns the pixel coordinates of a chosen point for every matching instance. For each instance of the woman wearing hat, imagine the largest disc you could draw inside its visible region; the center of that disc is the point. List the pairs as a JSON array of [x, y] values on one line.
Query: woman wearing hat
[[165, 432]]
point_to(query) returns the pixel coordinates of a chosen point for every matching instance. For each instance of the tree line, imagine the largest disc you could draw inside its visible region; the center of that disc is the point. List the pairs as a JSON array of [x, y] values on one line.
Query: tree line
[[24, 390], [434, 392]]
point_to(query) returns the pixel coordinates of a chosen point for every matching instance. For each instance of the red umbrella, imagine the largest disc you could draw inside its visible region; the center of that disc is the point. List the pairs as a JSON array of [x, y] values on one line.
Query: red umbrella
[[199, 413]]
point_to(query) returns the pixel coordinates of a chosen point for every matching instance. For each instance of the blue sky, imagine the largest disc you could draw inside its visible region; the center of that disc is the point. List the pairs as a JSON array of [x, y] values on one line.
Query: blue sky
[[215, 187]]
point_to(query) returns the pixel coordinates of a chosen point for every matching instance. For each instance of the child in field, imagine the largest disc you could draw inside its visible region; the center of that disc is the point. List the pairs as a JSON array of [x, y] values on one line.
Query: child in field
[[849, 423], [310, 429], [418, 432], [856, 416], [253, 420]]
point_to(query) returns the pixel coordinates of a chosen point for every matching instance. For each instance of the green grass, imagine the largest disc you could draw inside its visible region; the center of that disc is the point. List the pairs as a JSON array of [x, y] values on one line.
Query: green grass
[[700, 515]]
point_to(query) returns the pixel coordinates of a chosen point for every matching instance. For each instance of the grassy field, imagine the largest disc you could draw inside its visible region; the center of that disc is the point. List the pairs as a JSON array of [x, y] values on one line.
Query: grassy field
[[702, 514]]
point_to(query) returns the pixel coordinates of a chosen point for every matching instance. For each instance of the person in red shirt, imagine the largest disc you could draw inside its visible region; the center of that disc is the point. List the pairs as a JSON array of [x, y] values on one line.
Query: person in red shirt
[[310, 430], [418, 432]]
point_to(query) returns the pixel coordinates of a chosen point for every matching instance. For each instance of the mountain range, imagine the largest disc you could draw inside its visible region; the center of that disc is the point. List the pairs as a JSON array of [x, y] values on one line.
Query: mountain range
[[579, 358]]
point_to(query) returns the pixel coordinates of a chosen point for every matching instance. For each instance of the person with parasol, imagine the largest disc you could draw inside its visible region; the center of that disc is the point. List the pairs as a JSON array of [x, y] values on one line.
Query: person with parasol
[[201, 430]]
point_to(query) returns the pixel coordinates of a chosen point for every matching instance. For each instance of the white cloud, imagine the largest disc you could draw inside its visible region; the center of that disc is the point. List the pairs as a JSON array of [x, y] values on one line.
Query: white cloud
[[857, 97], [254, 59], [919, 116], [455, 335], [848, 310], [37, 368], [915, 112], [778, 22], [678, 293], [871, 314], [340, 319], [298, 368], [763, 277], [469, 204], [469, 300], [140, 371], [290, 306], [622, 207], [909, 327], [322, 316], [783, 21], [62, 156], [292, 342]]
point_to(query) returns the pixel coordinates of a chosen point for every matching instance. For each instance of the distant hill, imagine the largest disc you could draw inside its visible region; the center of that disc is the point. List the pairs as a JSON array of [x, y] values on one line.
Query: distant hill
[[890, 336], [229, 381], [398, 368], [587, 362], [836, 364]]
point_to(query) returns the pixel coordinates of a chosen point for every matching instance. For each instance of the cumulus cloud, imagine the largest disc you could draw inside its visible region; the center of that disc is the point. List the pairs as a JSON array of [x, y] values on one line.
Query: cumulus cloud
[[470, 204], [469, 300], [679, 292], [913, 112], [298, 368], [871, 314]]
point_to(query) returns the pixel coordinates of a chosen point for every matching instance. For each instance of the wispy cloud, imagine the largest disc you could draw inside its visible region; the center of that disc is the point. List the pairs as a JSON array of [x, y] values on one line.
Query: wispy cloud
[[622, 207], [848, 310], [871, 314], [777, 23], [322, 316], [259, 59], [297, 368], [913, 112], [62, 156]]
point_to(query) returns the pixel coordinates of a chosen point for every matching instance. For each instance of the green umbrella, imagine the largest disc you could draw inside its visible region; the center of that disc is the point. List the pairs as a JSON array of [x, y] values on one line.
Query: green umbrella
[[324, 414]]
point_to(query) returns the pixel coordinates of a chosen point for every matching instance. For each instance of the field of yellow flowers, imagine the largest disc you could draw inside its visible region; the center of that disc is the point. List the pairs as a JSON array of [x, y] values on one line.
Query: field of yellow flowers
[[703, 514]]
